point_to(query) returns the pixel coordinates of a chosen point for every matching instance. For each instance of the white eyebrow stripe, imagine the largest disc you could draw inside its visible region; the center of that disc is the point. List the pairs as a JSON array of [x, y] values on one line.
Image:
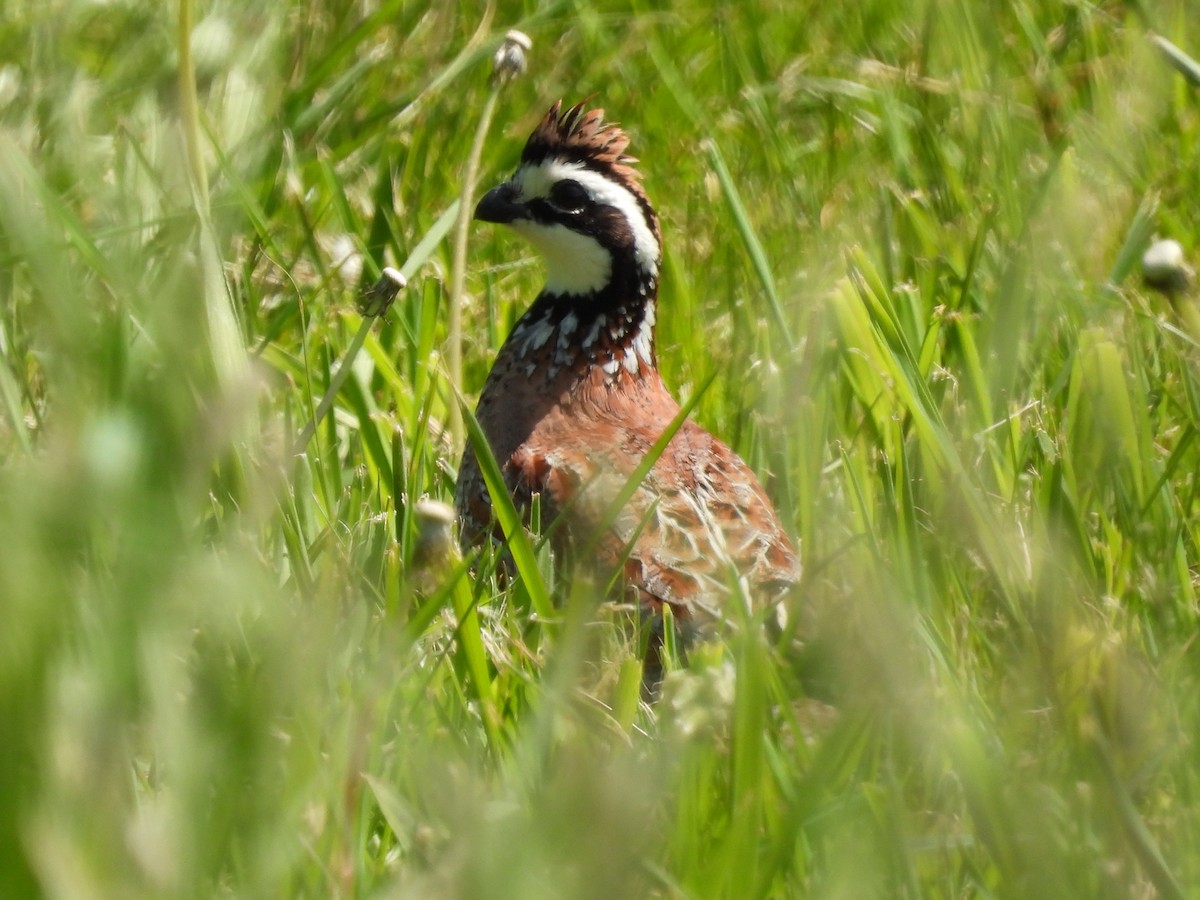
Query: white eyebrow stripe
[[536, 180]]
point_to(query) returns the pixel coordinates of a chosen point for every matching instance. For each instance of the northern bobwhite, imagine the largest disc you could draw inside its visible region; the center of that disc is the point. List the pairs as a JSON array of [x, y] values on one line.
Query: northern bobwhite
[[574, 400]]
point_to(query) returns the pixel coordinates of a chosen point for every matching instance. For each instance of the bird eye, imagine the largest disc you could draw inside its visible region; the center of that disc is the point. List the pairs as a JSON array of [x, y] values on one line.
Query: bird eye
[[569, 196]]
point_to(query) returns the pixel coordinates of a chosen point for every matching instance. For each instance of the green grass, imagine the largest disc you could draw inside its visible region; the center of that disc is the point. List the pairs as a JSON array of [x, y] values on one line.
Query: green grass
[[903, 237]]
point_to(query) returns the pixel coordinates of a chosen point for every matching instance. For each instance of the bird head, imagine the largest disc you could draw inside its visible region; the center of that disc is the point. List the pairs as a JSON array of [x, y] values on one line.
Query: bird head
[[577, 198]]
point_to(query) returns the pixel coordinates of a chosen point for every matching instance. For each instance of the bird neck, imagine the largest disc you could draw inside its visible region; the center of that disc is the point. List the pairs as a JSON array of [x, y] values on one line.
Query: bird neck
[[609, 331]]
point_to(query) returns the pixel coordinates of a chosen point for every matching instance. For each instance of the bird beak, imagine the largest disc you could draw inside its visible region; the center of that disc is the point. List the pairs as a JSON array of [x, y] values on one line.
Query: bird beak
[[500, 205]]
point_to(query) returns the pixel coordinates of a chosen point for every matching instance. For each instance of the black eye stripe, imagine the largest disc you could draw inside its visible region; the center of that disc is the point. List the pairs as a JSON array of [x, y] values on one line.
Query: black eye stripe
[[542, 210], [569, 196]]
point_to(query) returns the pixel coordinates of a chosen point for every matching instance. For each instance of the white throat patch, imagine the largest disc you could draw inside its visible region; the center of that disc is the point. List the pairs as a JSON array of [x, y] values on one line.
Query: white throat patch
[[576, 263]]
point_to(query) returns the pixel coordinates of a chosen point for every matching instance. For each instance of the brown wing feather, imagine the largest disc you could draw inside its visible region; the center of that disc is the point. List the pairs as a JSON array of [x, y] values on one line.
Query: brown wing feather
[[698, 522]]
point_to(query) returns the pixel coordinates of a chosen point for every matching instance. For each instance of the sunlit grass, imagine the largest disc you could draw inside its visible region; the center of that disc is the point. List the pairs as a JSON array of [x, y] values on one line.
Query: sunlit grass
[[902, 244]]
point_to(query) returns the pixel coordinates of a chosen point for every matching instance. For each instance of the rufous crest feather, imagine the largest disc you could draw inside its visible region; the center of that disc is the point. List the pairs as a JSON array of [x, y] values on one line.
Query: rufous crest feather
[[580, 135]]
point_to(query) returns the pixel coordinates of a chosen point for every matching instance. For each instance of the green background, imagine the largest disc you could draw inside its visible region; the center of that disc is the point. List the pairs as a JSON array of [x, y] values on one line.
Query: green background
[[903, 237]]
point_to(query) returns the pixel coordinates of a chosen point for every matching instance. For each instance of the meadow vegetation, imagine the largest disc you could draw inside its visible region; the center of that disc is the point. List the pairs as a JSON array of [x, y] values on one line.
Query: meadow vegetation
[[902, 240]]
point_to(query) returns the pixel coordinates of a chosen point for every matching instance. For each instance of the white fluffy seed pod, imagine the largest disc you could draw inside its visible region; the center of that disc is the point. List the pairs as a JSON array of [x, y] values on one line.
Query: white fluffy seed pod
[[1164, 266]]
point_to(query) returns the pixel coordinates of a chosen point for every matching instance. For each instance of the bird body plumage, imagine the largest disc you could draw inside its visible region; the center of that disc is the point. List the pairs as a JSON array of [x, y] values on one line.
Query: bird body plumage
[[574, 400]]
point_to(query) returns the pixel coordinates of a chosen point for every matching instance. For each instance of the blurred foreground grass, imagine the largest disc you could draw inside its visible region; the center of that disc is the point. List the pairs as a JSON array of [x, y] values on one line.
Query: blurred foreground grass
[[905, 237]]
